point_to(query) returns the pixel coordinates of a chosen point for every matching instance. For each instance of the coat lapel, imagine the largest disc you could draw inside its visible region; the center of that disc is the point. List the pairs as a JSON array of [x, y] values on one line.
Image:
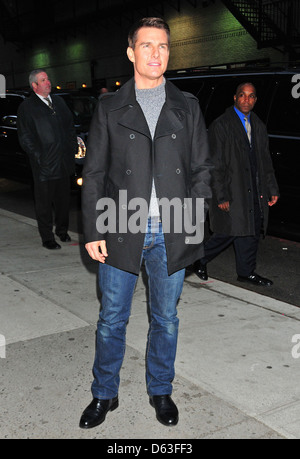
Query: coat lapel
[[171, 116], [134, 119], [237, 127], [168, 123], [173, 112], [39, 103]]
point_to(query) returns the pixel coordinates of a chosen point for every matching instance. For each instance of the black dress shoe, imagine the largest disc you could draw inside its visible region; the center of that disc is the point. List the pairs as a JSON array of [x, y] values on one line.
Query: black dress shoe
[[201, 270], [256, 280], [64, 237], [96, 412], [166, 410], [51, 245]]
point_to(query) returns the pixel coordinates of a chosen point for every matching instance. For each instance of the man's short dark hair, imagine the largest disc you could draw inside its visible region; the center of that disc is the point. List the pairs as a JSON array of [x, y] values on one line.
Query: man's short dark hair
[[240, 86], [147, 22]]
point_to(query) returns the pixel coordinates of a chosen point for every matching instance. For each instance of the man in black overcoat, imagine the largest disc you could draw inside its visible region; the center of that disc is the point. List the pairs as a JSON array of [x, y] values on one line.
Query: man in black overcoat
[[147, 147], [244, 186], [47, 134]]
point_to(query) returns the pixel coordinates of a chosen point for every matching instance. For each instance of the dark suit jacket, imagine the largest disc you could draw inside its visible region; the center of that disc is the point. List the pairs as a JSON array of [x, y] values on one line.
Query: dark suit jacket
[[49, 139], [232, 179], [121, 155]]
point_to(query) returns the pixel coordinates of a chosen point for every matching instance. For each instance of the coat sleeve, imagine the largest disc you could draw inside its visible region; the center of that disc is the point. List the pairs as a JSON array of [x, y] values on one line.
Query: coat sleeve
[[270, 178], [201, 164], [217, 139], [95, 173], [68, 126]]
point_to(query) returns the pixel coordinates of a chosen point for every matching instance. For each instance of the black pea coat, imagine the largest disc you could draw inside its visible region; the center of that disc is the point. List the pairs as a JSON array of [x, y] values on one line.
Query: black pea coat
[[49, 139], [121, 155], [232, 181]]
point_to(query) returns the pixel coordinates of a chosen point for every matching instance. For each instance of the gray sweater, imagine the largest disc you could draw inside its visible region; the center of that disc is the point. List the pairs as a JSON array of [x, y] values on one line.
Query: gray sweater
[[151, 102]]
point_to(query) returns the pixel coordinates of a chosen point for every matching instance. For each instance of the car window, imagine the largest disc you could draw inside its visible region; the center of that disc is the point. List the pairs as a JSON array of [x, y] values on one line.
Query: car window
[[285, 111], [225, 88], [199, 87], [82, 107], [9, 121], [9, 104]]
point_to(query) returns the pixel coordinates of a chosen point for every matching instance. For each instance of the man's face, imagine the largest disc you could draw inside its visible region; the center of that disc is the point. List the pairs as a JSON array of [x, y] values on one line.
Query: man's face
[[245, 99], [43, 85], [150, 57]]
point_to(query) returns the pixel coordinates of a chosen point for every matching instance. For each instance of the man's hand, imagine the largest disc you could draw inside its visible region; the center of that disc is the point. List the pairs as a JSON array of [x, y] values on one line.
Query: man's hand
[[224, 206], [95, 253], [273, 201]]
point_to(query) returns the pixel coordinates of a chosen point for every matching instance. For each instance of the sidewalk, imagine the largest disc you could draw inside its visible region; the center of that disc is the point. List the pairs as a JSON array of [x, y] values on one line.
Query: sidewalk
[[236, 376]]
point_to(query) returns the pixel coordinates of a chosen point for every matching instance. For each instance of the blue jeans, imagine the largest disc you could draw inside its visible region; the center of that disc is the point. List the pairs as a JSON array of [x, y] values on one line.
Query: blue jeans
[[117, 288]]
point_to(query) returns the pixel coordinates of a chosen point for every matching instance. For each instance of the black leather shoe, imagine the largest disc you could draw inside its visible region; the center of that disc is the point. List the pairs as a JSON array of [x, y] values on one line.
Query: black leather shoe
[[51, 245], [96, 412], [201, 270], [166, 410], [256, 280], [64, 237]]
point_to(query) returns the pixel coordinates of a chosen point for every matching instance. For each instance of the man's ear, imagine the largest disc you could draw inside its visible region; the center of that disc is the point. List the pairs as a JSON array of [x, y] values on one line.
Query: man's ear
[[130, 54]]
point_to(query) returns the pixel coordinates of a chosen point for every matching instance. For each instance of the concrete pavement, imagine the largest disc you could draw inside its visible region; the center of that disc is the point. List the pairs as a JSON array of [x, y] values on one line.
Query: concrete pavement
[[237, 369]]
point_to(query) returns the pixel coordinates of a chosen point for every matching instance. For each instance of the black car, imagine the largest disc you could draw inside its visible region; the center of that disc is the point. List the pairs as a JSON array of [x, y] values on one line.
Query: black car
[[14, 162], [278, 105]]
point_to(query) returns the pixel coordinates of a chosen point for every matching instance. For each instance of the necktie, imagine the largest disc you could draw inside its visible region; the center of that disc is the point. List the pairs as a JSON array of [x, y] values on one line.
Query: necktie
[[49, 102], [248, 128]]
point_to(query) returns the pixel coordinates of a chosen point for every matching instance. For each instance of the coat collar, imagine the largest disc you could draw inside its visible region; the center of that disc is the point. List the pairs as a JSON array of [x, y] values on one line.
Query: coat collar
[[237, 125], [126, 96], [133, 118], [36, 100]]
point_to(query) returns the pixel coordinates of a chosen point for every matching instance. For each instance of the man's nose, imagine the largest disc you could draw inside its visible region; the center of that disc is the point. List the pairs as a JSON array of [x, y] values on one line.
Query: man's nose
[[155, 51]]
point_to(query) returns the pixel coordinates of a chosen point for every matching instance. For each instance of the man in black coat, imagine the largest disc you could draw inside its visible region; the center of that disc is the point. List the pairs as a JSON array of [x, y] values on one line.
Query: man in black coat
[[244, 186], [147, 147], [47, 134]]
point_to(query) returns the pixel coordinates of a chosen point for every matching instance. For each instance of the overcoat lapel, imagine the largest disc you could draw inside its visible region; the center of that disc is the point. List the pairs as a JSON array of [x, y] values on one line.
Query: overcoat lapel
[[168, 123], [238, 127], [173, 112], [134, 119]]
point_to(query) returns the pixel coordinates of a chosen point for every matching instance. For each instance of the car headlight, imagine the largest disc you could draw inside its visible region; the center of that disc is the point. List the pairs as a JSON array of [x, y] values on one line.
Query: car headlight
[[81, 148]]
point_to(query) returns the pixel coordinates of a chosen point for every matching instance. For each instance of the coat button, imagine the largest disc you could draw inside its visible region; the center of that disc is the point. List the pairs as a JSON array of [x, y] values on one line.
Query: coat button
[[132, 136], [128, 172], [173, 136], [178, 171], [120, 239]]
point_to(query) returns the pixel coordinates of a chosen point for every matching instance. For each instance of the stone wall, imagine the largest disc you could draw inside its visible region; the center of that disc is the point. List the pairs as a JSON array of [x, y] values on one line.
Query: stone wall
[[200, 37]]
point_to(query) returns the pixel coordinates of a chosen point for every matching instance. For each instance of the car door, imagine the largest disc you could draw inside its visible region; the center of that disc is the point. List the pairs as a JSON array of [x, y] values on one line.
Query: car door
[[284, 134], [13, 159]]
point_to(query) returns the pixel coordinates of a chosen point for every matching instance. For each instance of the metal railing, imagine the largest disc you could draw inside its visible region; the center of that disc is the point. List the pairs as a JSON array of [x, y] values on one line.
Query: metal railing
[[271, 22]]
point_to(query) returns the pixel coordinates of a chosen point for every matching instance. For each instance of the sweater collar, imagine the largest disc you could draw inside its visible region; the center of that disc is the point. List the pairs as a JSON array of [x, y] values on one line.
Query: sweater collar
[[126, 96]]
